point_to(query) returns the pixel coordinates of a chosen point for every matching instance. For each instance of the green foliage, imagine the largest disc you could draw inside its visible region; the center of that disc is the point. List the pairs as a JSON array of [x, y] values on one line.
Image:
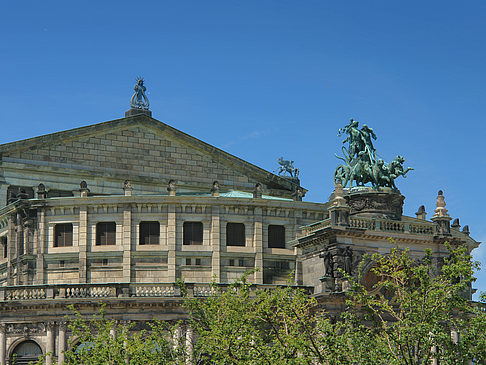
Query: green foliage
[[281, 325], [407, 317], [415, 307], [99, 341]]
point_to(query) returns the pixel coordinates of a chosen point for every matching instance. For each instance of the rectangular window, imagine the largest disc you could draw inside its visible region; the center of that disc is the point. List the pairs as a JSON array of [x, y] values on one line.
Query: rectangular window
[[5, 247], [193, 233], [198, 262], [235, 234], [106, 233], [276, 236], [241, 262], [149, 233], [63, 235], [231, 262], [188, 261]]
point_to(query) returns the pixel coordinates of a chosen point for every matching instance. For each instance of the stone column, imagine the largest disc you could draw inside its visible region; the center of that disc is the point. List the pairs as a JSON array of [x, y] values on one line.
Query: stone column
[[11, 248], [40, 245], [189, 343], [19, 247], [258, 244], [127, 243], [3, 345], [216, 244], [50, 343], [83, 243], [171, 242], [61, 342]]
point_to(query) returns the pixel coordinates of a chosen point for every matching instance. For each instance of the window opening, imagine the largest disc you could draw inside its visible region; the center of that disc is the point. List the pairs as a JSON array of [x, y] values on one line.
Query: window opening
[[276, 236], [149, 233], [106, 233], [193, 233], [63, 235], [235, 234]]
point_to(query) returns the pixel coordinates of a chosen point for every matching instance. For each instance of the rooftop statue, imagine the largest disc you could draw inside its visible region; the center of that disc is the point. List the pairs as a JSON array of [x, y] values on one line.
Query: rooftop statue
[[287, 166], [139, 100], [360, 163]]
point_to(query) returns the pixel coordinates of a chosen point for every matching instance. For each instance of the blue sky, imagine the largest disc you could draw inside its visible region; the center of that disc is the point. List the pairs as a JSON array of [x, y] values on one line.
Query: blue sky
[[263, 79]]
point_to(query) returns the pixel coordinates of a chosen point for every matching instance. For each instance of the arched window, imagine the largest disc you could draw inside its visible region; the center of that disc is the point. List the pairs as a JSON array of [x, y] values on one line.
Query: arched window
[[25, 352]]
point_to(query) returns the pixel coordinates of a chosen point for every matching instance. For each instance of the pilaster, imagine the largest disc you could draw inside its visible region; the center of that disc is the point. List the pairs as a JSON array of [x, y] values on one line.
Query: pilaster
[[258, 244], [3, 345], [83, 243], [11, 248], [127, 242], [171, 242], [50, 342], [216, 244], [61, 342]]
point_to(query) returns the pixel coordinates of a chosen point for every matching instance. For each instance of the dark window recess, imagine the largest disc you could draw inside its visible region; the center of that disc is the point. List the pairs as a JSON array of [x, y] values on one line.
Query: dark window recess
[[241, 262], [275, 269], [104, 262], [63, 235], [149, 233], [276, 236], [235, 234], [61, 263], [231, 262], [188, 261], [198, 262], [106, 233], [193, 233], [5, 247]]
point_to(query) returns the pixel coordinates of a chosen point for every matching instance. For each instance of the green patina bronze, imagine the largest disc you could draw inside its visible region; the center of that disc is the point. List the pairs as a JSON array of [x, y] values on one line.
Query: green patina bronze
[[360, 163]]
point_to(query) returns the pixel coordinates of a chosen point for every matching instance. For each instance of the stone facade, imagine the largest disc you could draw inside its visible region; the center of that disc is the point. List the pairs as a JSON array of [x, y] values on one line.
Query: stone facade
[[118, 211]]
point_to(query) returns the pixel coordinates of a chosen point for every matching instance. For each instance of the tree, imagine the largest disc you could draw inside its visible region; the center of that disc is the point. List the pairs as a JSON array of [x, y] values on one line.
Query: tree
[[406, 317], [421, 312], [99, 341]]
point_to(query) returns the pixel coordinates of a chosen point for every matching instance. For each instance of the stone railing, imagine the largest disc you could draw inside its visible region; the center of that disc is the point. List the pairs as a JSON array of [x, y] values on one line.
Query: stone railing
[[376, 224], [46, 293], [316, 226]]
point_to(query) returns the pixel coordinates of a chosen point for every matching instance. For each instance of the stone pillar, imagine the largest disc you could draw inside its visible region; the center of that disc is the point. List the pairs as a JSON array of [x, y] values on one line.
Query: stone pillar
[[40, 245], [83, 243], [61, 342], [3, 345], [177, 336], [127, 243], [258, 244], [11, 248], [50, 343], [171, 242], [216, 244], [339, 209], [441, 217], [19, 247], [189, 343]]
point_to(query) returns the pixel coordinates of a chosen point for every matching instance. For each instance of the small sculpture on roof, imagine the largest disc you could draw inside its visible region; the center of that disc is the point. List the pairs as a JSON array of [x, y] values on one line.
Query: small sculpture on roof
[[361, 166], [287, 166], [139, 100]]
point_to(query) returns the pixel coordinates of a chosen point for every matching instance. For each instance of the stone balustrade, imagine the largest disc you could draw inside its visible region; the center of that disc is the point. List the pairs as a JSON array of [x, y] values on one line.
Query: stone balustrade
[[115, 290], [377, 224]]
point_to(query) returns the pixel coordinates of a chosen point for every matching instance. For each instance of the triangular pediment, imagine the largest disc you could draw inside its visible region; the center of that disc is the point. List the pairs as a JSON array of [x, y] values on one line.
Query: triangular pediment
[[143, 150]]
